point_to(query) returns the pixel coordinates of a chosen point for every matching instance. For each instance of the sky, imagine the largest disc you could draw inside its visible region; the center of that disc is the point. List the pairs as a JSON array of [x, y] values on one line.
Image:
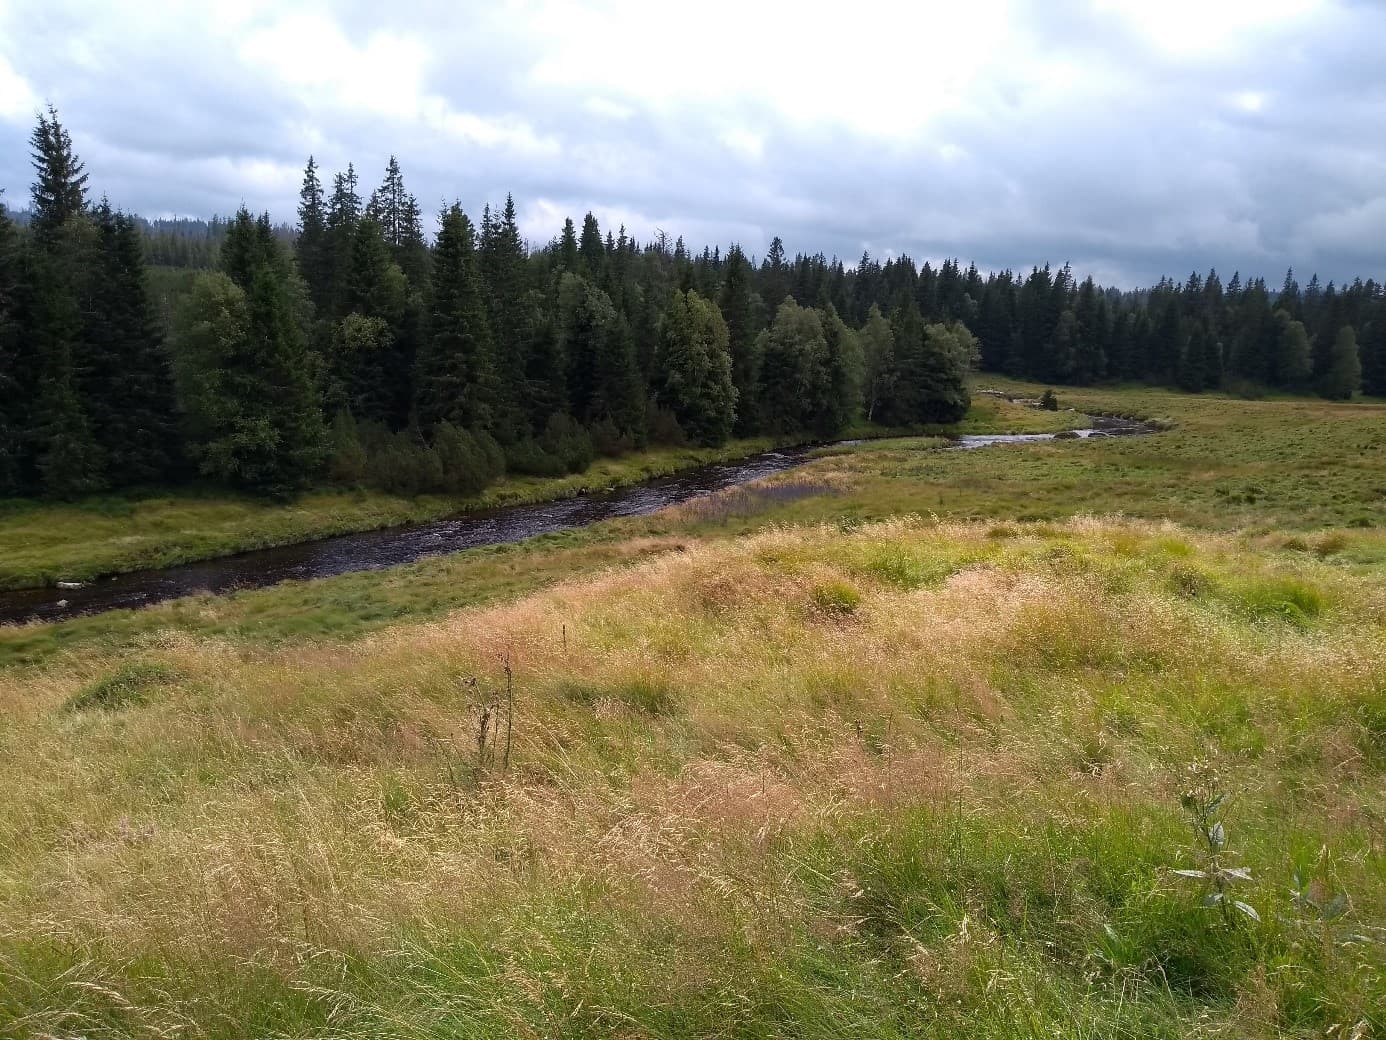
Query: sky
[[1130, 138]]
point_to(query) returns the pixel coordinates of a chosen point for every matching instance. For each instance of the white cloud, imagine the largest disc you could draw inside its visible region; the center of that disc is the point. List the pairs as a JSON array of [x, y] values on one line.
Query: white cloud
[[18, 102], [1142, 137]]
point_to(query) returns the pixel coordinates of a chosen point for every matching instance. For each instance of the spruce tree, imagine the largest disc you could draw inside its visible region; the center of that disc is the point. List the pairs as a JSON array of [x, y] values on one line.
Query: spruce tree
[[377, 374], [253, 412], [928, 383], [14, 399], [774, 275], [592, 251], [695, 368], [58, 195], [523, 380], [604, 384], [455, 376], [311, 248], [67, 456], [343, 214], [568, 248], [738, 312], [128, 383], [1372, 351]]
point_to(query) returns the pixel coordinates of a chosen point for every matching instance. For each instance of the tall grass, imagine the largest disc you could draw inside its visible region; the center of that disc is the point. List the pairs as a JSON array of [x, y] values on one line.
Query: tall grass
[[889, 780]]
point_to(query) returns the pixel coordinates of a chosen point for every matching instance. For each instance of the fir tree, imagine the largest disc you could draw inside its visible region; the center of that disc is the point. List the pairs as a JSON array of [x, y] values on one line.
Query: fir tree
[[592, 251], [774, 275], [67, 456], [514, 331], [343, 214], [568, 248], [376, 375], [128, 384], [311, 248], [455, 375], [58, 194], [13, 398], [929, 379], [253, 411], [735, 303], [1372, 352]]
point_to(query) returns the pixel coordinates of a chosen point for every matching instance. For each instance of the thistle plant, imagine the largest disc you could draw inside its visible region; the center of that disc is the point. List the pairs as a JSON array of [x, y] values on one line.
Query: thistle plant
[[1202, 798]]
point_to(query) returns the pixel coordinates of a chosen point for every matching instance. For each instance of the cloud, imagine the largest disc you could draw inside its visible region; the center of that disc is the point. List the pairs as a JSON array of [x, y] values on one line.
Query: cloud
[[1129, 138]]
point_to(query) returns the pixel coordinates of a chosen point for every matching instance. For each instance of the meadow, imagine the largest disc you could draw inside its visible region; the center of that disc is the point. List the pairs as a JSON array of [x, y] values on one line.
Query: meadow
[[1079, 738]]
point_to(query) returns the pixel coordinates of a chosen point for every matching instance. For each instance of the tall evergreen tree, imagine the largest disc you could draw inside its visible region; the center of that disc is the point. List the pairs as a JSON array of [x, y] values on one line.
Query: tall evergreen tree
[[13, 399], [455, 374], [1372, 352], [343, 214], [58, 194], [311, 248], [774, 275], [68, 458], [929, 380], [128, 383], [735, 302], [515, 333], [568, 248], [253, 410], [1293, 357], [592, 251]]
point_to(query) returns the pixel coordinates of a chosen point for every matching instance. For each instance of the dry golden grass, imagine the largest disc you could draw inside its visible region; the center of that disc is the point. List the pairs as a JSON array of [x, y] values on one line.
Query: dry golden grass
[[710, 749]]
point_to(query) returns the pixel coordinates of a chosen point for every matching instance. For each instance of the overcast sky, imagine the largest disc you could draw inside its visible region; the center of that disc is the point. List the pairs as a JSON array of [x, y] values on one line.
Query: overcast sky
[[1132, 138]]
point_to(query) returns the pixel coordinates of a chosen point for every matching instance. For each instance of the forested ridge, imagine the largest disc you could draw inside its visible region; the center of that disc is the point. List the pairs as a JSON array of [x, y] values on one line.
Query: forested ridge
[[351, 347]]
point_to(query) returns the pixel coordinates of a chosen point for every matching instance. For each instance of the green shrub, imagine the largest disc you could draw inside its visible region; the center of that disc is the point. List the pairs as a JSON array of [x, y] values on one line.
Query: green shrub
[[1286, 598], [836, 597], [127, 685]]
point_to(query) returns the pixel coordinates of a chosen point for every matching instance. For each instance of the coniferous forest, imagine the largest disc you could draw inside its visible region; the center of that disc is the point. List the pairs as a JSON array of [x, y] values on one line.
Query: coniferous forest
[[356, 347]]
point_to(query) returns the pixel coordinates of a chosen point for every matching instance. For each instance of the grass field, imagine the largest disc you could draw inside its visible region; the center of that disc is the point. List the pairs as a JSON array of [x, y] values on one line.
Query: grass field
[[905, 743]]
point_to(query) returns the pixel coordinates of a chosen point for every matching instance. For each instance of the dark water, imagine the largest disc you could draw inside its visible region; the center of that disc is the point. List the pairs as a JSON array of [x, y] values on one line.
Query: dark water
[[390, 547]]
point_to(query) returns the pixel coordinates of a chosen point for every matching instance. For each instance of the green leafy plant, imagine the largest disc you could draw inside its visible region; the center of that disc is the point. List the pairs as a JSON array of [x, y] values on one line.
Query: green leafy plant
[[1202, 798]]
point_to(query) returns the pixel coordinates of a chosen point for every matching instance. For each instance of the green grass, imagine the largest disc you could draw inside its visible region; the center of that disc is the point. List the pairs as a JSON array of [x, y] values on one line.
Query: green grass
[[779, 769], [951, 810]]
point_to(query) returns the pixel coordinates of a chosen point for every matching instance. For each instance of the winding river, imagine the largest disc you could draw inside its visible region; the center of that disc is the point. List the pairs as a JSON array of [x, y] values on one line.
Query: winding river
[[392, 546]]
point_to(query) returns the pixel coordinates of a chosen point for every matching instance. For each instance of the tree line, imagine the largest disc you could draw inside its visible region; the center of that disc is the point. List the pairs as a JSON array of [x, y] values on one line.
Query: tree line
[[352, 347]]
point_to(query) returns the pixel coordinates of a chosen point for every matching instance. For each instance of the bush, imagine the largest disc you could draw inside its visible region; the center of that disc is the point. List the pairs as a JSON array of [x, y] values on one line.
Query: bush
[[665, 428], [128, 685], [608, 440], [348, 461], [467, 467], [566, 440], [529, 458], [836, 598], [1048, 401]]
